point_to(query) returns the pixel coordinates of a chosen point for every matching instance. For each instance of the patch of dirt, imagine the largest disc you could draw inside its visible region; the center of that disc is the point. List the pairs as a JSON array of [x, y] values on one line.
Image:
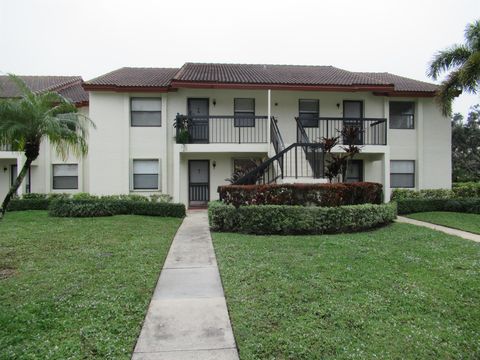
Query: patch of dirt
[[6, 273]]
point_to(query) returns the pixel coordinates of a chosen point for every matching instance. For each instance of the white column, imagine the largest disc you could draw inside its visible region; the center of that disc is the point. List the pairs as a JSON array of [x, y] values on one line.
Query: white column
[[419, 162], [176, 172], [386, 175], [20, 161], [269, 112]]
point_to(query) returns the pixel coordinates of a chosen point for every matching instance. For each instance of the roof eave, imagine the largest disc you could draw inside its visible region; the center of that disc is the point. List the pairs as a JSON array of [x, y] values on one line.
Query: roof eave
[[406, 93], [176, 84], [116, 88]]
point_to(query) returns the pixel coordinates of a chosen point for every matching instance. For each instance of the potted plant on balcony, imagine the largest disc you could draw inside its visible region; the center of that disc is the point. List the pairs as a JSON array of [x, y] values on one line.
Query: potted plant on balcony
[[182, 123]]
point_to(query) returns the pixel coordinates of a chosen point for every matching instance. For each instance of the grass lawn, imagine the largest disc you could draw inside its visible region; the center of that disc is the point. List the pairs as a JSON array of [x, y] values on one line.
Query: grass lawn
[[77, 288], [399, 292], [462, 221]]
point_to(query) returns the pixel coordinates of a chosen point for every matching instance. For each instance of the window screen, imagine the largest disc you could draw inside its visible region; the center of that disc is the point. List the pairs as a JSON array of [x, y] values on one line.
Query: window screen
[[244, 112], [308, 110], [402, 114], [402, 173], [354, 171], [146, 112], [145, 174], [65, 176]]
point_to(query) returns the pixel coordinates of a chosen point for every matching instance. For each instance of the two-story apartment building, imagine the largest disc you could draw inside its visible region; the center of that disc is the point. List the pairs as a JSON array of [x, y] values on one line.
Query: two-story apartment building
[[264, 117], [49, 173]]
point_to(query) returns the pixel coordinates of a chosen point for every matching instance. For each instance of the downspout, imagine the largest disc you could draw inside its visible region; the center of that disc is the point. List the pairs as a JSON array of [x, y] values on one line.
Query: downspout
[[269, 114]]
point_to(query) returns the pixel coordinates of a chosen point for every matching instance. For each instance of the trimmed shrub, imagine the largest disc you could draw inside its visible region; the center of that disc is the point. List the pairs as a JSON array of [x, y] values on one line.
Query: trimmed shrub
[[302, 194], [466, 190], [79, 208], [28, 204], [403, 194], [108, 206], [408, 206], [288, 219]]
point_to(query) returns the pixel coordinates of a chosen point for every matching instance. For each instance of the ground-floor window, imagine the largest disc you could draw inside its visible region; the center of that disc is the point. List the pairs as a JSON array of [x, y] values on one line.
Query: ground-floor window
[[65, 176], [354, 171], [402, 173], [145, 174]]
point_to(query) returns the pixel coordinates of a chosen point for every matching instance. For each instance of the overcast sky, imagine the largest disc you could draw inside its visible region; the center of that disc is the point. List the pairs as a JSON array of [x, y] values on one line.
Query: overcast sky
[[92, 37]]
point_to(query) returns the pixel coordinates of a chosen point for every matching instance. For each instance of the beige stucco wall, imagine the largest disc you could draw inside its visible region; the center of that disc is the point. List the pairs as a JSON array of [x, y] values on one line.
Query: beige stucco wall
[[114, 144]]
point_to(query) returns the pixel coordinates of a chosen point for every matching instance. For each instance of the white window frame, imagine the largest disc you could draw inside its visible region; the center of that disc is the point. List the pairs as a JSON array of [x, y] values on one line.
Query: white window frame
[[412, 115], [69, 176], [132, 99], [159, 178], [402, 173]]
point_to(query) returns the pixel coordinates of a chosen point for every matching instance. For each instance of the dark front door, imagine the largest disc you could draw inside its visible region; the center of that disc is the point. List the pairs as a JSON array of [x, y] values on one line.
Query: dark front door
[[353, 110], [198, 182], [198, 112]]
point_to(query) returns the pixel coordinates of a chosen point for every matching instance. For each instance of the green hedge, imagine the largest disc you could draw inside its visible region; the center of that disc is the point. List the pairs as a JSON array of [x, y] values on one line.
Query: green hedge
[[408, 206], [302, 194], [289, 219], [459, 190], [28, 204], [108, 207]]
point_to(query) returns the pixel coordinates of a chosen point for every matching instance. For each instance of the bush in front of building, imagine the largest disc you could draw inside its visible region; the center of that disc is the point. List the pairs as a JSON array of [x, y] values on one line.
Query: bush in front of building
[[459, 190], [288, 219], [302, 194], [108, 206], [466, 205]]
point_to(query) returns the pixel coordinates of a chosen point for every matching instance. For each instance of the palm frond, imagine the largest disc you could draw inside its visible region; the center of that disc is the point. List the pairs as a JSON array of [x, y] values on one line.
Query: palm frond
[[472, 35], [470, 73], [447, 59], [450, 88]]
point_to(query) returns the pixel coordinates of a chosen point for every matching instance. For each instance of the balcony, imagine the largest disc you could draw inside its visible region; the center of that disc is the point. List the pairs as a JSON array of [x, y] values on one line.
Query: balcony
[[221, 129], [372, 131]]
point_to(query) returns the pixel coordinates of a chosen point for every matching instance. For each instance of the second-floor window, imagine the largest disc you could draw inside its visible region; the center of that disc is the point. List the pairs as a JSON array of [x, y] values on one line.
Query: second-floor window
[[402, 114], [308, 110], [244, 112], [145, 174], [146, 112], [65, 176]]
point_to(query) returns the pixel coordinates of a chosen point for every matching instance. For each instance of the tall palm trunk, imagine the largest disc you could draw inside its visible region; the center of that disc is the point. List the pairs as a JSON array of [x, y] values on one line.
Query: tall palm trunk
[[16, 184]]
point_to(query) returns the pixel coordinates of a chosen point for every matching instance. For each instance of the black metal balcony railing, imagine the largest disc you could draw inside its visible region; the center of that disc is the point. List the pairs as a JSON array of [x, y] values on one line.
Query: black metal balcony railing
[[222, 129], [372, 131]]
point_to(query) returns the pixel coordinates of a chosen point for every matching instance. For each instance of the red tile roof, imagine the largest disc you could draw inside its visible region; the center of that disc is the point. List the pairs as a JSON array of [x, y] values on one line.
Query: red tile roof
[[68, 86], [402, 83], [300, 77], [128, 77], [272, 74]]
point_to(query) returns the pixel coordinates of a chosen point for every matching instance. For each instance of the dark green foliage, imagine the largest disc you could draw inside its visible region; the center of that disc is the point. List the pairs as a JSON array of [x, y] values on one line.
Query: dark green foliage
[[466, 189], [408, 206], [109, 206], [288, 219], [466, 146], [302, 194], [28, 204], [80, 208]]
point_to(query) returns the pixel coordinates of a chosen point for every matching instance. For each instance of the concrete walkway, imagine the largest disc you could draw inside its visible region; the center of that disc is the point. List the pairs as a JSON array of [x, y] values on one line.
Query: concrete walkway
[[188, 317], [463, 234]]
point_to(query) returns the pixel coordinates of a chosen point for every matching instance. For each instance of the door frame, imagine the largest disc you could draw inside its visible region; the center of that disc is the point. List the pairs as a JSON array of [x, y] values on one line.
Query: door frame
[[189, 179], [362, 110], [207, 126]]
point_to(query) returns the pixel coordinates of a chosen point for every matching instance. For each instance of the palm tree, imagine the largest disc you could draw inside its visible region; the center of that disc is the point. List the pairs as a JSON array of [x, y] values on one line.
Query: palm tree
[[27, 121], [463, 62]]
